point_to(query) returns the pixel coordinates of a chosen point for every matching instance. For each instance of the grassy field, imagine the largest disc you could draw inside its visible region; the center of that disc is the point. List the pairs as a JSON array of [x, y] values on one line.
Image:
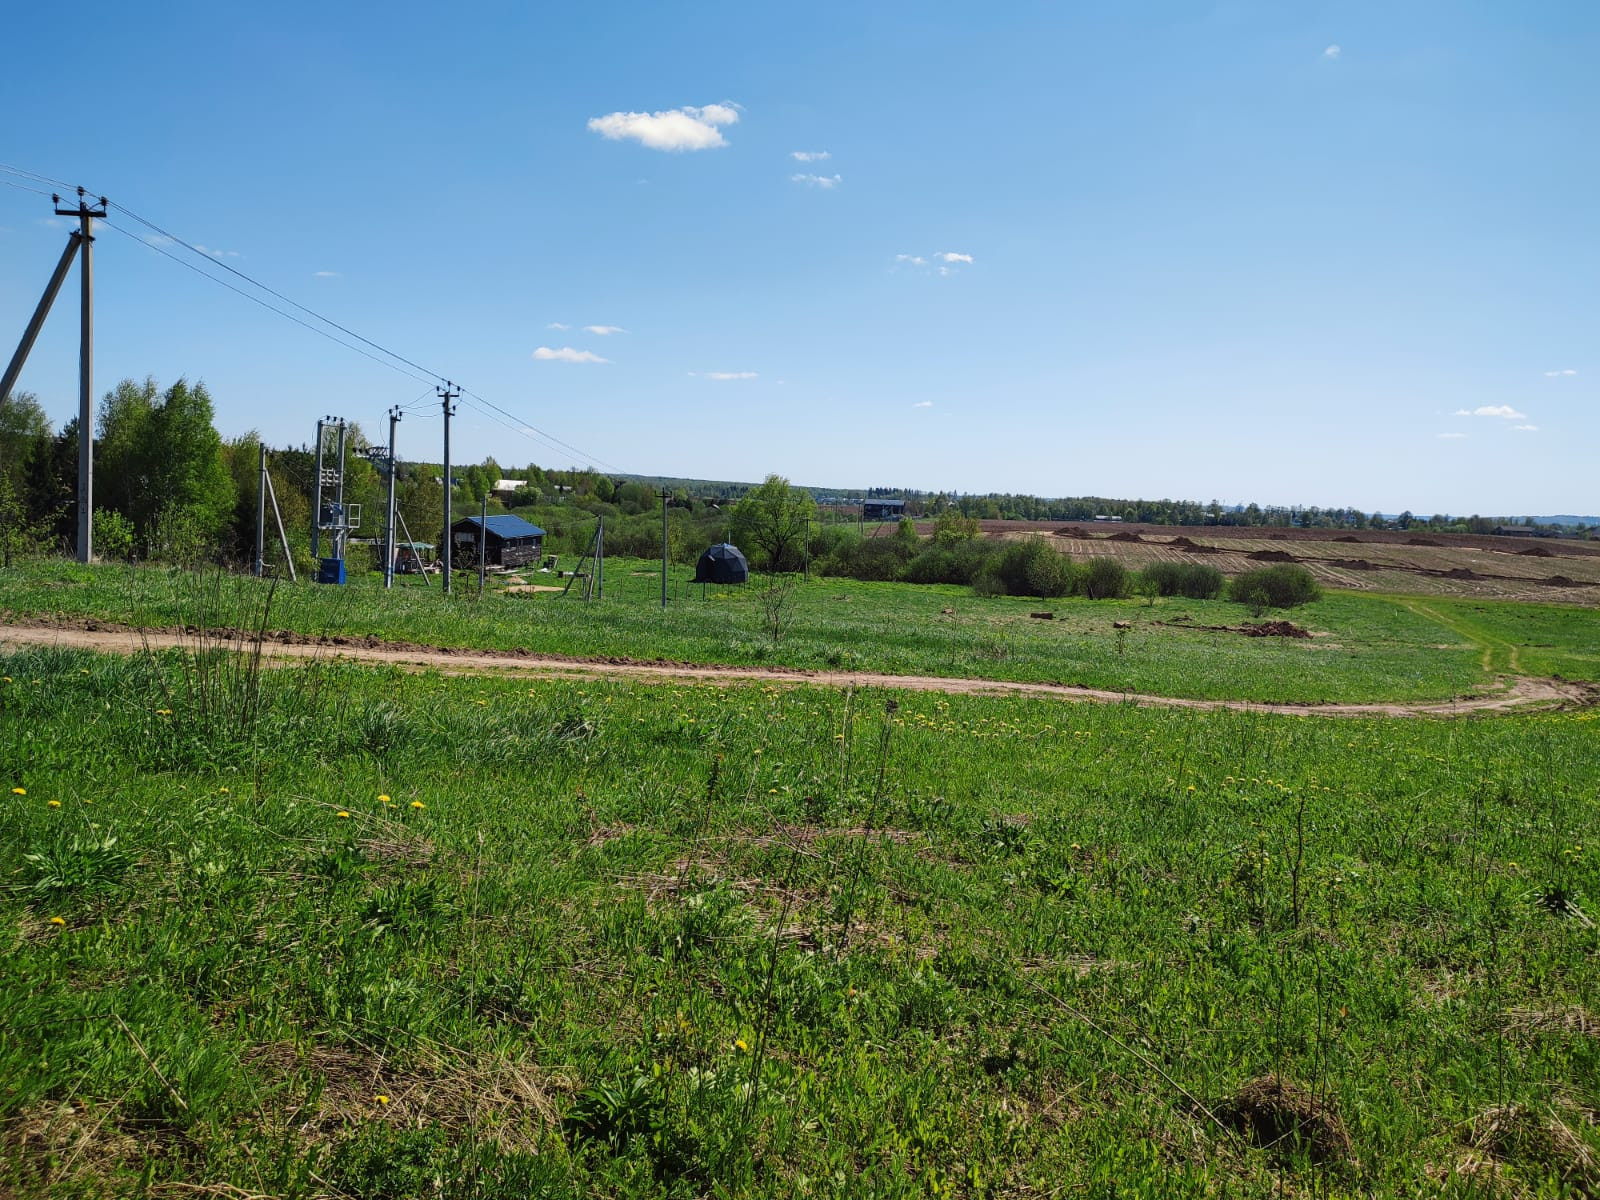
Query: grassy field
[[337, 931], [1367, 648]]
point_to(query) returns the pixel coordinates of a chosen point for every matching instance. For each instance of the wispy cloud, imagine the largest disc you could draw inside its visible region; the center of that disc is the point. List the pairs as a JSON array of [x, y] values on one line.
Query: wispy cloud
[[726, 376], [810, 155], [1503, 411], [923, 404], [911, 260], [950, 256], [604, 330], [1451, 436], [1333, 51], [567, 354], [822, 181], [675, 129], [1556, 374], [325, 275], [559, 326], [1526, 428], [215, 253]]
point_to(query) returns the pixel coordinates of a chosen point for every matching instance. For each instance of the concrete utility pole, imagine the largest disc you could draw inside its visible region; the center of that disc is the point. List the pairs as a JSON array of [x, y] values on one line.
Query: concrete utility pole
[[664, 495], [80, 239], [261, 515], [483, 540], [388, 524], [446, 394], [316, 499]]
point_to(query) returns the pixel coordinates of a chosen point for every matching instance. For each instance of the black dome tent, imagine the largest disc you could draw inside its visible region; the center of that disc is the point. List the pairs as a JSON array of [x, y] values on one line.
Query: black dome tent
[[723, 563]]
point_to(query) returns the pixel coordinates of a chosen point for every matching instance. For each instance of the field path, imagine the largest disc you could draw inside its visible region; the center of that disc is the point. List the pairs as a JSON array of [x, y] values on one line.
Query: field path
[[1498, 655], [1519, 693]]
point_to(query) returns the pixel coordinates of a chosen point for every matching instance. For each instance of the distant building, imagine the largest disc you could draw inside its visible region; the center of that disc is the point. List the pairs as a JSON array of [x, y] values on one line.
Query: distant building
[[508, 541], [882, 510], [1106, 518], [1515, 531], [504, 489]]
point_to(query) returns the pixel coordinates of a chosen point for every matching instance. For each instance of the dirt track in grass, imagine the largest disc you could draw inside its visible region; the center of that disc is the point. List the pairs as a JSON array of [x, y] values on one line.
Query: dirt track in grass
[[1515, 693]]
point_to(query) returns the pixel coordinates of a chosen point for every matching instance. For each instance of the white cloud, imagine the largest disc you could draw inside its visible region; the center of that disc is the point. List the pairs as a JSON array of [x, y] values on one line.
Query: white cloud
[[604, 330], [567, 354], [951, 256], [911, 260], [216, 253], [325, 275], [1333, 51], [1452, 435], [725, 376], [810, 155], [1504, 411], [558, 326], [1527, 428], [1555, 374], [821, 181], [923, 404], [676, 129]]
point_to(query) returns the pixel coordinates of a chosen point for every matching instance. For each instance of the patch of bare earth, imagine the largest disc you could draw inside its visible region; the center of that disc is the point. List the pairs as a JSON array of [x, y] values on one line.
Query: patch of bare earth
[[1280, 1115]]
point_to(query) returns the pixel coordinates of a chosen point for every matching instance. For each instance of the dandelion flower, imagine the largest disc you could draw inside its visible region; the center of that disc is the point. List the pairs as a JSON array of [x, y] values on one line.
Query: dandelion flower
[[342, 813], [383, 800], [54, 803], [381, 1098], [19, 791], [222, 791], [740, 1045], [5, 679], [418, 804], [58, 920]]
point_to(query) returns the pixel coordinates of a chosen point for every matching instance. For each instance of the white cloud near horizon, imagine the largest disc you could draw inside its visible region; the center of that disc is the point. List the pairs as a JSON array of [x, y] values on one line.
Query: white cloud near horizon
[[911, 260], [1451, 436], [673, 130], [810, 155], [950, 256], [604, 330], [567, 354], [923, 404], [1526, 428], [1503, 411], [1333, 51], [725, 376], [1554, 374], [822, 181], [558, 325]]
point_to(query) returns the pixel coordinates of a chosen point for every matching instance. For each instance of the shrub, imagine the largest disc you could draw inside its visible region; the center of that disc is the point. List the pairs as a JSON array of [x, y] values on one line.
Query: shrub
[[1196, 581], [1105, 579], [950, 562], [1282, 586], [1031, 567]]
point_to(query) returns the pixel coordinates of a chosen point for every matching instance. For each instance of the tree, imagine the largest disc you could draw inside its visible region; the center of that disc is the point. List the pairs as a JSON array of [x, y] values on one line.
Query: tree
[[773, 518], [189, 495]]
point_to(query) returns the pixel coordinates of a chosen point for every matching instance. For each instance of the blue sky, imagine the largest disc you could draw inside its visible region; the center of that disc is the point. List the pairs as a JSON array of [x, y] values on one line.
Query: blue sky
[[1339, 253]]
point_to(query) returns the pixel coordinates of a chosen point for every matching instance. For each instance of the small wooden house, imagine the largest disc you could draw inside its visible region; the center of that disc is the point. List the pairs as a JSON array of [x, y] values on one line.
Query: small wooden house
[[882, 510], [507, 541]]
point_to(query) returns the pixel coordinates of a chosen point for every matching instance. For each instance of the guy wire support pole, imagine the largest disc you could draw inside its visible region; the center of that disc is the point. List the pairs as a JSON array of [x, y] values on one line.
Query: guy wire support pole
[[261, 515], [664, 495], [316, 499], [388, 524], [7, 381], [446, 394]]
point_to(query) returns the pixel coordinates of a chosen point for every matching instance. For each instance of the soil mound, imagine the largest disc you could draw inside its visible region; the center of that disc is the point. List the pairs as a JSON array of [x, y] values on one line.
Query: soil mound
[[1535, 552], [1348, 538], [1278, 1114], [1072, 531], [1124, 537], [1462, 573], [1272, 556], [1273, 629], [1352, 564], [1182, 543], [1561, 581], [1422, 542]]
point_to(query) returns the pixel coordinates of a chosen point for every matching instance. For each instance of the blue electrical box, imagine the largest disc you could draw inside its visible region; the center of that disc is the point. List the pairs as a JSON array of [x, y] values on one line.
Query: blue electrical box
[[330, 570]]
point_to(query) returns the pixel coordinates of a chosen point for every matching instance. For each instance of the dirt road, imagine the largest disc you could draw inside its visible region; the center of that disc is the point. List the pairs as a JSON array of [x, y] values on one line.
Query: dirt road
[[1519, 693]]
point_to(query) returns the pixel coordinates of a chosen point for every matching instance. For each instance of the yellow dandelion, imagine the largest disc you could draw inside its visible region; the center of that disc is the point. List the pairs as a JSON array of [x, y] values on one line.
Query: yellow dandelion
[[54, 803], [19, 791], [5, 679], [163, 712], [381, 1098], [342, 813], [741, 1046], [58, 920], [222, 791], [418, 804], [383, 800]]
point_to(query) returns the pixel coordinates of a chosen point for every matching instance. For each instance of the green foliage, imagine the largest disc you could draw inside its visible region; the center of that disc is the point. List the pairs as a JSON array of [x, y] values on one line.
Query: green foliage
[[772, 519], [951, 527], [1197, 581], [1030, 567], [1282, 585], [113, 535], [1104, 579]]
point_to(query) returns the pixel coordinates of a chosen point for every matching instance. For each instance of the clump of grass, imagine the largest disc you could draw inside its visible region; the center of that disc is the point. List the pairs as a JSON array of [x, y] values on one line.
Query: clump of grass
[[1280, 1115]]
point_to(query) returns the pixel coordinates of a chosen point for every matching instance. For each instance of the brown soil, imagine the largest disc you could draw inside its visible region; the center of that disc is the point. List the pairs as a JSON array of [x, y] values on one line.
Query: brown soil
[[1124, 537], [1416, 541], [1348, 538], [1272, 556], [1515, 693], [1249, 629], [1535, 552], [1279, 1114]]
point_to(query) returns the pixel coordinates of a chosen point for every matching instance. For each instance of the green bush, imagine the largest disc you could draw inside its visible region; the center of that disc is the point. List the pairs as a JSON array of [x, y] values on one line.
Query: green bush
[[1104, 579], [1031, 567], [949, 562], [1282, 586], [1196, 581]]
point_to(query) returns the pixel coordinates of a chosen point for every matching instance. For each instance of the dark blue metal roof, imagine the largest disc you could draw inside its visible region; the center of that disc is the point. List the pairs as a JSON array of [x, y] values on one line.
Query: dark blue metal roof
[[507, 526]]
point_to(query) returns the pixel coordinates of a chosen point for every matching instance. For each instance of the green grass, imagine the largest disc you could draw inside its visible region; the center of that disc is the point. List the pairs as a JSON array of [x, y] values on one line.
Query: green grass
[[645, 940], [1369, 648]]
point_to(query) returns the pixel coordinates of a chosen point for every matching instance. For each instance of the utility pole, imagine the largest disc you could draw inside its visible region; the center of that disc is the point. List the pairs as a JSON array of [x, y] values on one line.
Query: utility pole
[[388, 524], [316, 499], [261, 515], [807, 545], [483, 541], [664, 495], [446, 394]]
